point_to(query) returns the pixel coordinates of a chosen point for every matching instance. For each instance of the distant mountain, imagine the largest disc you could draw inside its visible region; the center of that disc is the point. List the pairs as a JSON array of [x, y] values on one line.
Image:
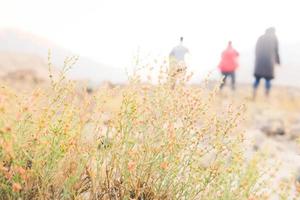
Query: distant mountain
[[10, 62], [21, 50]]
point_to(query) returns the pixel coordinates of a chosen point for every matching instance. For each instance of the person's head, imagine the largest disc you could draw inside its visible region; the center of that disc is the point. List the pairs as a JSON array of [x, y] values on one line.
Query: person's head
[[270, 31], [181, 39], [229, 43]]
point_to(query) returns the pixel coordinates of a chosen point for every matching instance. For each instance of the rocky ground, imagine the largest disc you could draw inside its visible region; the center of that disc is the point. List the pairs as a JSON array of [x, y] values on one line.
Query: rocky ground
[[272, 128]]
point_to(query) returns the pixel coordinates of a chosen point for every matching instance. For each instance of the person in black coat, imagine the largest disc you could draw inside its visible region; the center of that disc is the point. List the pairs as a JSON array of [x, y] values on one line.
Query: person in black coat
[[266, 56]]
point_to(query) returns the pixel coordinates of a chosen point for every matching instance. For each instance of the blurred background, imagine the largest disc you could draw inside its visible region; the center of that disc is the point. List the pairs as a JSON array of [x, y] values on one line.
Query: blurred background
[[108, 34]]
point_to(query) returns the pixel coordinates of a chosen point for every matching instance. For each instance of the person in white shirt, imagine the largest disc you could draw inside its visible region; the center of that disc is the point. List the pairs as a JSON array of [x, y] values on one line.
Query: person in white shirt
[[177, 62]]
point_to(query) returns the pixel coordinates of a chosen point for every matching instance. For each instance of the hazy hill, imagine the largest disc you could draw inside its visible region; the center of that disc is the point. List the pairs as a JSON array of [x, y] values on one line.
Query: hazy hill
[[21, 50], [10, 62]]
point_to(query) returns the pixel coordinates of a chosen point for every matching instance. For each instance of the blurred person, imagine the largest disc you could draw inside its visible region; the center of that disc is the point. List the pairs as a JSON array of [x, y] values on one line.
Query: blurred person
[[266, 56], [228, 65], [177, 64]]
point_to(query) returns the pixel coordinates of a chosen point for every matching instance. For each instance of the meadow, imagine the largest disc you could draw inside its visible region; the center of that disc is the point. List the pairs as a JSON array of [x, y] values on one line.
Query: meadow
[[136, 141]]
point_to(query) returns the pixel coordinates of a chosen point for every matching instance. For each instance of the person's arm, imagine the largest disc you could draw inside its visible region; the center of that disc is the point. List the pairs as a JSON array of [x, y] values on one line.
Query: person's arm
[[171, 53], [259, 45], [221, 59], [187, 57], [237, 54], [256, 47], [277, 58]]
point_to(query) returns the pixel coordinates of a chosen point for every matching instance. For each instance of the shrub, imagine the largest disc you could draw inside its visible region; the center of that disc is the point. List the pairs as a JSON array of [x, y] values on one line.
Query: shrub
[[141, 141]]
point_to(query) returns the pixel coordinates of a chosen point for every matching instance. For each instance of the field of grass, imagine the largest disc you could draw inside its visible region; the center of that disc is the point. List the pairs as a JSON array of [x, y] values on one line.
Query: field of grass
[[137, 141]]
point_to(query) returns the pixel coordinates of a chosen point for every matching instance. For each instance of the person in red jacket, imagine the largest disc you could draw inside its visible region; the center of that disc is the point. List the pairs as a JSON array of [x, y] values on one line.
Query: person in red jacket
[[228, 64]]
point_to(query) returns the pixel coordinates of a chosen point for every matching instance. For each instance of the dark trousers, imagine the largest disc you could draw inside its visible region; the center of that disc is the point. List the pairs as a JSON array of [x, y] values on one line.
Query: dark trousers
[[225, 76], [267, 83]]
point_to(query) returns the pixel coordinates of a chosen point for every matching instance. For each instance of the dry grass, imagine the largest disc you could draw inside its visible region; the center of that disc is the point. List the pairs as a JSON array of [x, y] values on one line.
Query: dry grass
[[141, 141]]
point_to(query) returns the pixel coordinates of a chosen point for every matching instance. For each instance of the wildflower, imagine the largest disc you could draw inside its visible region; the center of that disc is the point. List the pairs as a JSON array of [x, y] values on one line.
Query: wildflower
[[77, 186], [251, 198], [7, 129], [16, 187], [22, 172], [297, 185], [131, 166], [8, 148], [25, 109], [8, 175], [164, 165]]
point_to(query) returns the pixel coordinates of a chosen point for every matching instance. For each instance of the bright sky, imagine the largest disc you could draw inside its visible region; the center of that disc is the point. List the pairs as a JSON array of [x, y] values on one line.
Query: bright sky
[[110, 31]]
